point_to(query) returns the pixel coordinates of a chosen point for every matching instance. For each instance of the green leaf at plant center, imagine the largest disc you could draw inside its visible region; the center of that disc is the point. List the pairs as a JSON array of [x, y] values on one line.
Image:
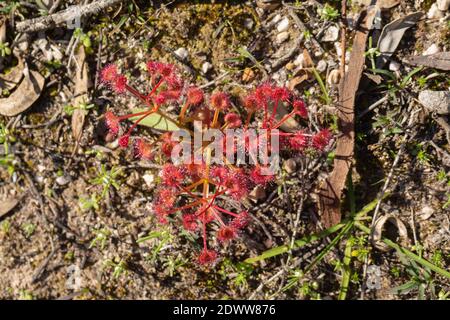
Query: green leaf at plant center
[[155, 121]]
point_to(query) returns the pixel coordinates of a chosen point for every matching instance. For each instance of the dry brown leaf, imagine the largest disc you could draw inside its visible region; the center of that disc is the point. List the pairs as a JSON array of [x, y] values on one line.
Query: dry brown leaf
[[379, 227], [331, 190], [383, 4], [80, 94], [294, 82], [24, 96], [387, 4], [307, 62], [392, 34], [290, 125], [7, 205], [374, 77], [2, 29], [12, 79], [440, 60], [248, 75]]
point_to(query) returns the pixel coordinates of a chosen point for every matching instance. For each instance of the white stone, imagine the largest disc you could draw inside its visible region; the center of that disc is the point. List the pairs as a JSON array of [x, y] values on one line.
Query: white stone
[[44, 46], [283, 25], [206, 66], [300, 61], [276, 76], [443, 5], [435, 101], [57, 55], [394, 66], [248, 23], [331, 34], [62, 180], [321, 66], [290, 165], [182, 53], [39, 179], [282, 37], [431, 50], [338, 48], [426, 212], [149, 179], [276, 19], [434, 12]]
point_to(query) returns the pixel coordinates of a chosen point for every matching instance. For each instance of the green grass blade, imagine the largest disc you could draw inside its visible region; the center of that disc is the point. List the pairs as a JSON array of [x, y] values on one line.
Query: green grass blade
[[407, 253], [409, 76], [326, 96], [311, 238], [323, 253], [346, 272], [297, 244], [383, 72]]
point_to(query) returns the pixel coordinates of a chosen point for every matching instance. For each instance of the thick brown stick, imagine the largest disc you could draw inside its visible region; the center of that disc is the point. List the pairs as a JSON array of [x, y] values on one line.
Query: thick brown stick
[[331, 191]]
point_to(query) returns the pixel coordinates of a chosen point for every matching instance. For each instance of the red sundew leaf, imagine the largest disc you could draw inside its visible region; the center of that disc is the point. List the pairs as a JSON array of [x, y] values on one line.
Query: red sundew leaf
[[207, 256], [226, 233]]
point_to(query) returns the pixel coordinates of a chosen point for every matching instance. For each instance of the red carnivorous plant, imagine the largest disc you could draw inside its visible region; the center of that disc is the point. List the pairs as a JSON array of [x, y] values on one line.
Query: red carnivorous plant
[[197, 192]]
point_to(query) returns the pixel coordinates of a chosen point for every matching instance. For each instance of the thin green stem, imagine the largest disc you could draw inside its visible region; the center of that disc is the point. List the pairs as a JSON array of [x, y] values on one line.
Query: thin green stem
[[326, 96]]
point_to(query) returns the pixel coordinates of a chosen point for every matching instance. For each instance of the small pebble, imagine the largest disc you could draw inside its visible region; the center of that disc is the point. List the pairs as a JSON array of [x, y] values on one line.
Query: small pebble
[[435, 101], [426, 212], [206, 66], [182, 53], [318, 53], [300, 61], [331, 34], [394, 66], [290, 165], [248, 23], [57, 54], [62, 180], [258, 193], [431, 50], [283, 25], [276, 19], [443, 5], [282, 37], [434, 12], [338, 48], [39, 179], [149, 179], [321, 66], [47, 3]]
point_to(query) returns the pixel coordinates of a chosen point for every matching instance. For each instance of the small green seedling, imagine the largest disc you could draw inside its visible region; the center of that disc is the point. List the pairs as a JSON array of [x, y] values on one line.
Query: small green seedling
[[100, 239], [107, 179], [328, 13], [69, 109], [87, 204], [119, 268], [28, 228]]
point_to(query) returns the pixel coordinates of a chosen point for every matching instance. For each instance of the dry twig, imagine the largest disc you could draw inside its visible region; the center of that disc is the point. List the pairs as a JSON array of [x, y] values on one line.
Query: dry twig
[[64, 16]]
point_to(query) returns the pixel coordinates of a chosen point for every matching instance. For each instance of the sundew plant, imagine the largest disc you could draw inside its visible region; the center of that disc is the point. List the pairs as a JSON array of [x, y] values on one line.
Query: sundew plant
[[199, 179]]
